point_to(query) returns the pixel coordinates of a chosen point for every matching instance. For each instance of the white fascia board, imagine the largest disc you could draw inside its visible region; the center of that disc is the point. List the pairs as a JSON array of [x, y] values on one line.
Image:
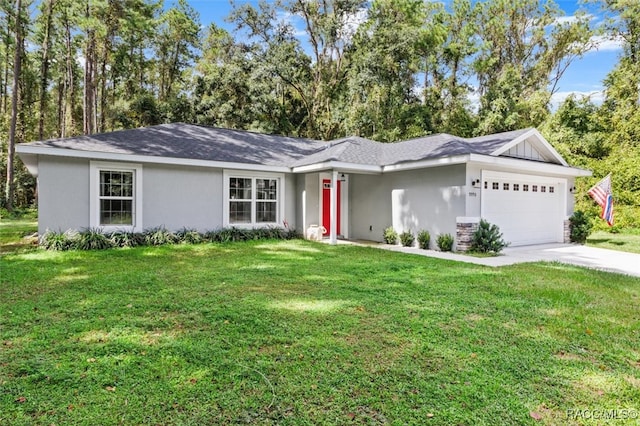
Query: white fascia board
[[338, 166], [517, 165], [541, 141], [109, 156], [436, 162]]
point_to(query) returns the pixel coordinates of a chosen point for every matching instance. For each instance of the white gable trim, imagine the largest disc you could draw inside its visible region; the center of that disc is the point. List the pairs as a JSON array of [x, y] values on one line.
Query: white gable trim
[[520, 165], [541, 140], [424, 164], [337, 165]]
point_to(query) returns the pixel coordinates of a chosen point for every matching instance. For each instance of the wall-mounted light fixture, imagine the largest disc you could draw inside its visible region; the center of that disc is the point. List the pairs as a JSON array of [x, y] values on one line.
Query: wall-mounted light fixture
[[342, 177]]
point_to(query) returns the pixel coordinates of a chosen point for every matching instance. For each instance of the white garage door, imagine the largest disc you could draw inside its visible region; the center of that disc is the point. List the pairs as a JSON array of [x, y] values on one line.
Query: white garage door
[[528, 209]]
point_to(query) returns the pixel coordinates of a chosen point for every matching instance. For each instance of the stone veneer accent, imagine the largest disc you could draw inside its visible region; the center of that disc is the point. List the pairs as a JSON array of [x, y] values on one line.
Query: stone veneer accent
[[567, 232], [464, 235]]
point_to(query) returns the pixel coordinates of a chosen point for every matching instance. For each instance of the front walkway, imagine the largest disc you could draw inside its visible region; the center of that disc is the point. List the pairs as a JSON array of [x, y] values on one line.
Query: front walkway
[[573, 254]]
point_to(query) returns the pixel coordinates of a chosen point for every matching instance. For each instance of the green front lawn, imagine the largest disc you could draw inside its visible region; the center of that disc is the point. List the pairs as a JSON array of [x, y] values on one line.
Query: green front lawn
[[304, 333], [629, 240], [16, 234]]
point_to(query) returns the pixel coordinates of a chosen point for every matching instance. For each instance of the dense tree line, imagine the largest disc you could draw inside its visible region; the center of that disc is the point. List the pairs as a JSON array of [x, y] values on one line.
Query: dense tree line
[[385, 69]]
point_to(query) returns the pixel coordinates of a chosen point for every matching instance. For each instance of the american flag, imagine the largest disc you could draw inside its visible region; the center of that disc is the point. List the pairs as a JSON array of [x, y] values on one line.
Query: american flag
[[601, 193]]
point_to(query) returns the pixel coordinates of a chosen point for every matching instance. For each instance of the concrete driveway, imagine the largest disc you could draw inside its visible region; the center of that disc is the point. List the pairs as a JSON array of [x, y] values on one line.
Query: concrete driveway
[[589, 257]]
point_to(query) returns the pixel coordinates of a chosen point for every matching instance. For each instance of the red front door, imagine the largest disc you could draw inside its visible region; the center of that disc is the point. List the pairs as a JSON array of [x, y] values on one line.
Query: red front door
[[326, 206]]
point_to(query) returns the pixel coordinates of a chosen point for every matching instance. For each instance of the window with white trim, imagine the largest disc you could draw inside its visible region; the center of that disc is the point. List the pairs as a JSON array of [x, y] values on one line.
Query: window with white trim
[[116, 195], [253, 200]]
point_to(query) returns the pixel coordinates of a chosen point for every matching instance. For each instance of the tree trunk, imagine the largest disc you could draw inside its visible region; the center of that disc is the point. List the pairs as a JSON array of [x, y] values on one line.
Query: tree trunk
[[5, 71], [44, 81], [60, 104], [89, 102], [69, 89], [11, 149]]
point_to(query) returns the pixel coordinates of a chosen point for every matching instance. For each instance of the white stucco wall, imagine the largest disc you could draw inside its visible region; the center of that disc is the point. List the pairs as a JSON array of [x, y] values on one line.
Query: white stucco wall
[[291, 201], [172, 196], [312, 199], [428, 199], [177, 197], [63, 194]]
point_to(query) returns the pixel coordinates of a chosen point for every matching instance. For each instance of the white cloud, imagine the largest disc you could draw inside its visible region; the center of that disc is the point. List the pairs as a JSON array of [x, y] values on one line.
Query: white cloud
[[293, 21], [604, 43], [595, 96], [351, 23], [570, 19], [565, 20], [348, 28]]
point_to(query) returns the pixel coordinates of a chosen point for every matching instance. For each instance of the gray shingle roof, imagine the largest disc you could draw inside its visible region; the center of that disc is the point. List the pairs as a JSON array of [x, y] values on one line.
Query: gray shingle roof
[[187, 141], [364, 151]]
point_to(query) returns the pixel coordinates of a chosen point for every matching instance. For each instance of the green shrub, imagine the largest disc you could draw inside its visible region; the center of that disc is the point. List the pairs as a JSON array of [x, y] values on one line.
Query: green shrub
[[126, 239], [580, 227], [159, 236], [424, 238], [445, 242], [56, 241], [390, 236], [291, 234], [407, 239], [487, 238], [189, 236], [227, 235], [92, 239]]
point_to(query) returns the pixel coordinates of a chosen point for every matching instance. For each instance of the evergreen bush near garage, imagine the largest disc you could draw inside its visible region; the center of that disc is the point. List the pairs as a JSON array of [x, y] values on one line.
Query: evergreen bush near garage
[[407, 239], [580, 227], [487, 238], [390, 236], [424, 238], [445, 242]]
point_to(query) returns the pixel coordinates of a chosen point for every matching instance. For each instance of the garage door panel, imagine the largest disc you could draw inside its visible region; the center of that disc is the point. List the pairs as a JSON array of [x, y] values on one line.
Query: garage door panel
[[524, 216]]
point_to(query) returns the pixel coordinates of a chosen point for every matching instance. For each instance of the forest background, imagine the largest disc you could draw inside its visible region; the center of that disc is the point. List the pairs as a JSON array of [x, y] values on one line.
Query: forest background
[[384, 69]]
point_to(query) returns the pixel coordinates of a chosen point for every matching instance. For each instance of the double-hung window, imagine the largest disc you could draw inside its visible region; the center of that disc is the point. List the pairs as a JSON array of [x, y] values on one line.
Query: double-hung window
[[116, 196], [254, 200]]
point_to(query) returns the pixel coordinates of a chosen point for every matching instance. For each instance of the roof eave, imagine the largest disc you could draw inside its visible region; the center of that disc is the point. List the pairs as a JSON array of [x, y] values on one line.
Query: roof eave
[[338, 165], [28, 152], [529, 166], [423, 164], [30, 161]]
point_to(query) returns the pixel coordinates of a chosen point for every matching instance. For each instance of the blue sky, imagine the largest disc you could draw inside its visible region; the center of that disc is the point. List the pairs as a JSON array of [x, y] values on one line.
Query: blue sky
[[585, 76]]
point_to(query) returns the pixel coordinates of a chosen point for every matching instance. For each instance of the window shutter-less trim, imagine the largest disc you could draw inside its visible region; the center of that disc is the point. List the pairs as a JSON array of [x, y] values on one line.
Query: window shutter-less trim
[[115, 196]]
